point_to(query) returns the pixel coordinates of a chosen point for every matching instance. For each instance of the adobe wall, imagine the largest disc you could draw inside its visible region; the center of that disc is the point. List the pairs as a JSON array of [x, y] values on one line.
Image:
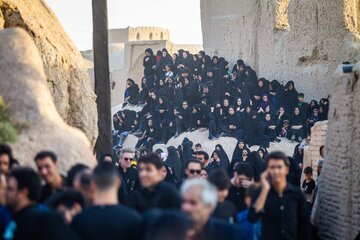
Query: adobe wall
[[285, 40], [338, 211]]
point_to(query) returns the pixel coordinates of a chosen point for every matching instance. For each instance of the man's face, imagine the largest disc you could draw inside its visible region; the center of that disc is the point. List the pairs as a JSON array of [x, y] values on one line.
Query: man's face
[[4, 164], [125, 160], [193, 170], [47, 169], [231, 111], [277, 170], [193, 206], [12, 194], [240, 179], [301, 99], [201, 158], [210, 74], [149, 175]]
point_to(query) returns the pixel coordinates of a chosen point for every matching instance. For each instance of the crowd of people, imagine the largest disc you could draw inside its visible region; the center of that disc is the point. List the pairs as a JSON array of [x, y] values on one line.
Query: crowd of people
[[185, 92], [151, 196], [184, 193]]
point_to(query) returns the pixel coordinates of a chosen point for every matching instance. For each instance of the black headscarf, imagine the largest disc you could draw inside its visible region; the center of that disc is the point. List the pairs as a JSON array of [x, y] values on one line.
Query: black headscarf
[[173, 160], [222, 155]]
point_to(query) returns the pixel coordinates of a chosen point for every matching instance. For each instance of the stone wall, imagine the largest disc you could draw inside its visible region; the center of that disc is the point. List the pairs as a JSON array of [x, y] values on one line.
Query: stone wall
[[338, 210], [300, 40], [65, 69], [312, 152]]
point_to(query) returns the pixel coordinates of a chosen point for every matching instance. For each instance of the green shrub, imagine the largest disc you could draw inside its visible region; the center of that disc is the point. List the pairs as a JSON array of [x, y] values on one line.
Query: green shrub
[[8, 132]]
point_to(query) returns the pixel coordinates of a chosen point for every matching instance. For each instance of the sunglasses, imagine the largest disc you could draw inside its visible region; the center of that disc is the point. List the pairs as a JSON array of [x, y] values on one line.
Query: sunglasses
[[128, 159], [193, 171]]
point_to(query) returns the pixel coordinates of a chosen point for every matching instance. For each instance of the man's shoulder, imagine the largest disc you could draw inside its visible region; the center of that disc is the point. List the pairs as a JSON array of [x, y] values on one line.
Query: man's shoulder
[[107, 211], [221, 226]]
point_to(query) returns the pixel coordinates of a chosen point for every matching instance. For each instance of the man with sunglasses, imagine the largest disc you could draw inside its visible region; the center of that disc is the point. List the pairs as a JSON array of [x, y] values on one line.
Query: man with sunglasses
[[193, 169], [128, 173]]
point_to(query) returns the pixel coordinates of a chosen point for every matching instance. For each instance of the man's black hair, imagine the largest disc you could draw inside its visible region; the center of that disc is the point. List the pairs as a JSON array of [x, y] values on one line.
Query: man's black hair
[[6, 149], [278, 156], [308, 170], [44, 154], [206, 155], [68, 198], [198, 145], [29, 179], [74, 170], [192, 160], [151, 158], [220, 179], [105, 175], [245, 169]]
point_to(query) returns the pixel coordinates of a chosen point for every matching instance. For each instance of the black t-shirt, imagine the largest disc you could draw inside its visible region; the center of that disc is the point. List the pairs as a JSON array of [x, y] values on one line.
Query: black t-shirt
[[164, 196], [108, 222], [33, 224], [226, 211], [47, 191], [308, 187], [237, 197]]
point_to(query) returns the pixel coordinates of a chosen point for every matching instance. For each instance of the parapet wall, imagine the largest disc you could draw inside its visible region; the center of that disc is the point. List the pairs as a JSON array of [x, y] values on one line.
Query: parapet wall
[[303, 41]]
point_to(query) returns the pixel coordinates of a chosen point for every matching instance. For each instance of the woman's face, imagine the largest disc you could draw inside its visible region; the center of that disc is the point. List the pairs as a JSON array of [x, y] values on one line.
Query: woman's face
[[186, 81], [153, 96], [248, 109], [215, 61], [184, 55], [241, 145], [291, 86], [164, 54], [261, 154], [215, 156], [144, 80], [282, 110], [265, 98], [244, 154], [174, 57], [238, 101], [226, 102], [260, 83], [161, 82], [267, 117], [161, 101], [297, 111], [231, 111], [203, 174]]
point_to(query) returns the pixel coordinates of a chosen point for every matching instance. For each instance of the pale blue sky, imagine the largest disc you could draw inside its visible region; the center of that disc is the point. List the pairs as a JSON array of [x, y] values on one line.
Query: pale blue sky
[[181, 17]]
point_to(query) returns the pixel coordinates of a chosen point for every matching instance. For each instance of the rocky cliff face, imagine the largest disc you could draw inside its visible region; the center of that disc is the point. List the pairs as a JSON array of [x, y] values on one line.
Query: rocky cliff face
[[285, 40], [30, 105], [65, 69]]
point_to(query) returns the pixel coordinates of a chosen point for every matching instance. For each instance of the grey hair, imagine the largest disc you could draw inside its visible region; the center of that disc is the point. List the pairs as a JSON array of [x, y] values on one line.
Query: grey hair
[[208, 193], [125, 150]]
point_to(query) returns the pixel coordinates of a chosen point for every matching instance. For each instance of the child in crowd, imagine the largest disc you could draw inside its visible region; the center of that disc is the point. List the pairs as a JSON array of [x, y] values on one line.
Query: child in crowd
[[308, 187]]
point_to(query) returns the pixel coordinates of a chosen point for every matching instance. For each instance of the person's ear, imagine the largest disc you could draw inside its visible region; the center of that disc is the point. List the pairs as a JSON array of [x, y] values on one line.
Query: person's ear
[[24, 193], [117, 183]]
